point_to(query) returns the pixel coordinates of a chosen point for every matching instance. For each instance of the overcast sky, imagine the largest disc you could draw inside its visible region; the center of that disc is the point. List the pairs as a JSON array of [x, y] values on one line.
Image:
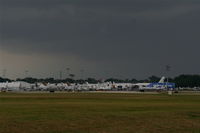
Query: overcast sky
[[105, 38]]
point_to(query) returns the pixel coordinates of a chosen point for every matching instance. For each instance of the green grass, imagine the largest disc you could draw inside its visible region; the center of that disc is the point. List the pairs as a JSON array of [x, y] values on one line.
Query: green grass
[[99, 113]]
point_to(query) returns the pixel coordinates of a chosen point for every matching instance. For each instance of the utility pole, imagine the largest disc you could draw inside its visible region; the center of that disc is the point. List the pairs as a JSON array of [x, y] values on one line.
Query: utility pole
[[167, 68]]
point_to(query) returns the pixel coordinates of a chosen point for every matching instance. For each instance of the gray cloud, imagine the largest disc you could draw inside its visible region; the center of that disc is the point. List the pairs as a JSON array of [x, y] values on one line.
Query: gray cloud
[[129, 38]]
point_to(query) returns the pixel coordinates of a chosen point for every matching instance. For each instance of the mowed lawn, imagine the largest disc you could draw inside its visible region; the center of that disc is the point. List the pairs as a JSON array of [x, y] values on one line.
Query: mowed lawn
[[99, 113]]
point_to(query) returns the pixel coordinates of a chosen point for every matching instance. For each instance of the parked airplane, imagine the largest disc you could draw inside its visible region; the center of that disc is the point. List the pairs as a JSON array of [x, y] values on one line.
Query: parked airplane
[[161, 85], [15, 86]]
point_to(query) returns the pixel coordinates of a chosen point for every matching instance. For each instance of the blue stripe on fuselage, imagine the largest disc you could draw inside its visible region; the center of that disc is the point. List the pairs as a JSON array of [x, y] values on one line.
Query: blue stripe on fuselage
[[169, 85]]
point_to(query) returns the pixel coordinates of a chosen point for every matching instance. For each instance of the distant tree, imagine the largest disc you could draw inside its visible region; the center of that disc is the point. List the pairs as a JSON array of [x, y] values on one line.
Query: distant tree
[[114, 80], [133, 81], [49, 80], [69, 80], [5, 79], [72, 75], [154, 79], [143, 81], [28, 80], [187, 81], [92, 81], [80, 81], [126, 81]]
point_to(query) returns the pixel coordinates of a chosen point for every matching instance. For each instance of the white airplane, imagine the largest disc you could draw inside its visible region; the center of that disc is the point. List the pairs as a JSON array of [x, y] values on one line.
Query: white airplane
[[104, 86], [161, 85], [15, 86], [122, 86]]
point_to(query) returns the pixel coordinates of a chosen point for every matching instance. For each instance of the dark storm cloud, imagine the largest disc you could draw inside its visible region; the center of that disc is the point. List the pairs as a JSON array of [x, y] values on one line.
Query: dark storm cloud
[[136, 33]]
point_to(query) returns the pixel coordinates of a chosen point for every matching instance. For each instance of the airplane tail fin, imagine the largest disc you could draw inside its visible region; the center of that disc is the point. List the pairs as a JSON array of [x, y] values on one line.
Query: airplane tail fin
[[162, 80]]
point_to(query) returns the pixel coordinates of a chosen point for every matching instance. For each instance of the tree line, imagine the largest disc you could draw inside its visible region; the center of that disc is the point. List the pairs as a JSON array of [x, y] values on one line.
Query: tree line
[[180, 81]]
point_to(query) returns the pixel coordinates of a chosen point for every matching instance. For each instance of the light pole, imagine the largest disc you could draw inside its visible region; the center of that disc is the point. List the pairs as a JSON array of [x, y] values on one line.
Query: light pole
[[167, 68]]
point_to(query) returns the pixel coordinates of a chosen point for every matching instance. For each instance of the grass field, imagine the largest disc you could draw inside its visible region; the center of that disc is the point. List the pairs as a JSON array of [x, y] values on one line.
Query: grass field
[[99, 113]]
